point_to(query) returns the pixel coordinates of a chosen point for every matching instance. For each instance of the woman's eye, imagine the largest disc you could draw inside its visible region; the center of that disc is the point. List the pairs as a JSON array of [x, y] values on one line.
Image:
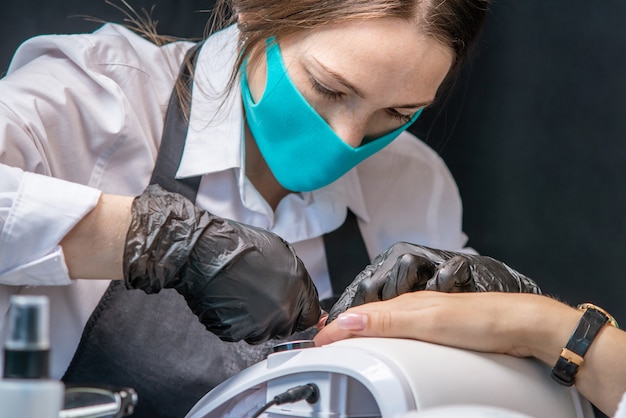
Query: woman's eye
[[329, 94], [399, 116]]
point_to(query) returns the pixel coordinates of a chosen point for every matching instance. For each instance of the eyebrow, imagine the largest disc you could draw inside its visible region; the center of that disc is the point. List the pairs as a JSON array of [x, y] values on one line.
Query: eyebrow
[[340, 79]]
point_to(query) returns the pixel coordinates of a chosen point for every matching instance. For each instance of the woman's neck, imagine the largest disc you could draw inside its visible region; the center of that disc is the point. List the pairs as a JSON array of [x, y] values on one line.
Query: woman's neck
[[260, 174]]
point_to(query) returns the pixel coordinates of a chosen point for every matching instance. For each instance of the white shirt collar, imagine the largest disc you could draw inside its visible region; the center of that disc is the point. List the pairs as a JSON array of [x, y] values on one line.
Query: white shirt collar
[[216, 119]]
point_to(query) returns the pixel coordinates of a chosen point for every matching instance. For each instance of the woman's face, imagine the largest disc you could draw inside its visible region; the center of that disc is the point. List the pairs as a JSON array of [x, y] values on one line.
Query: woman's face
[[365, 78]]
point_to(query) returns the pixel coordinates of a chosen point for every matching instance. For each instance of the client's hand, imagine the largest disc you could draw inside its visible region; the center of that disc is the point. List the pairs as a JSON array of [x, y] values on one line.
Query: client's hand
[[519, 324], [491, 321]]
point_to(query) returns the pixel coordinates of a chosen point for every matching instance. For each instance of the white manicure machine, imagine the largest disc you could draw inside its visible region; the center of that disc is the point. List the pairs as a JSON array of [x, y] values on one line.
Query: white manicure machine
[[393, 378]]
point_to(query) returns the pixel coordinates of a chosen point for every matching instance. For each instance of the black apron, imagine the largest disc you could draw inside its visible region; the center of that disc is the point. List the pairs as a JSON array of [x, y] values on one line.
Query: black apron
[[154, 343]]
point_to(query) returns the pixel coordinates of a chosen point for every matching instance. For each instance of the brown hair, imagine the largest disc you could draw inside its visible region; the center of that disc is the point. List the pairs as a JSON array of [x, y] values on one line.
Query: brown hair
[[454, 23]]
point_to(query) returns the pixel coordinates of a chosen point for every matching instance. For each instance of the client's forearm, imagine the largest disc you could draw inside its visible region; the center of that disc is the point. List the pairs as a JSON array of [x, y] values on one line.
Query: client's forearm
[[601, 378]]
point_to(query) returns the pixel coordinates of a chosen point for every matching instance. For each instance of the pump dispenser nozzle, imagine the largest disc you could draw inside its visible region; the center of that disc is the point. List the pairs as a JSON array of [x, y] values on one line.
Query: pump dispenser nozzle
[[27, 348]]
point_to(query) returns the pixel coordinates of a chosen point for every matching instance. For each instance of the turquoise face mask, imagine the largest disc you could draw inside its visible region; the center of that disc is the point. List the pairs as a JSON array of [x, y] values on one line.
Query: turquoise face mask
[[299, 147]]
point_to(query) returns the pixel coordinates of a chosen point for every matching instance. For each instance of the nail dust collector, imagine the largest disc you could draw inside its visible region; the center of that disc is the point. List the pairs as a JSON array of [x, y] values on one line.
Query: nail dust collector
[[389, 378]]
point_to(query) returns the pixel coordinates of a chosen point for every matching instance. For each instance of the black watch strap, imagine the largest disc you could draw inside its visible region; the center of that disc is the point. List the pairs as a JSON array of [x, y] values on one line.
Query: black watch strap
[[590, 324]]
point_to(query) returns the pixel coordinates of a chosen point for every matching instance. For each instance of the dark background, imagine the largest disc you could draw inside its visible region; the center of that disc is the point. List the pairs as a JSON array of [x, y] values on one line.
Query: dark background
[[534, 131], [535, 135]]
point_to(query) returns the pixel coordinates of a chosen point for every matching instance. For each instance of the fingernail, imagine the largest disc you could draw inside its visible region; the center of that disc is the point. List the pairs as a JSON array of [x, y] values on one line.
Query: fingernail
[[352, 321]]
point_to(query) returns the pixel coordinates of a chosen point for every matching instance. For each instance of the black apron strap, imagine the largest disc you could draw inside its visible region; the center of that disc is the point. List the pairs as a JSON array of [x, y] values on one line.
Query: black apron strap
[[173, 139], [346, 256]]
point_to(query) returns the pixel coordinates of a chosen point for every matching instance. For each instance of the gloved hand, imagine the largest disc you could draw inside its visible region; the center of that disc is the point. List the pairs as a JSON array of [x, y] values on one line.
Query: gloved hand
[[242, 282], [405, 267]]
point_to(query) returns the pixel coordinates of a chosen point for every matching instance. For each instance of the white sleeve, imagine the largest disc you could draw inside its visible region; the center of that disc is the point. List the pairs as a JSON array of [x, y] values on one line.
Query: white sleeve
[[36, 212], [73, 105], [621, 408], [75, 112]]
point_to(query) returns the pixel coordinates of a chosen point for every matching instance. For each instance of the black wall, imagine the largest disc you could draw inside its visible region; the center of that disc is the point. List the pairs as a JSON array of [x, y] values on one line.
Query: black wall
[[535, 134], [534, 131], [25, 18]]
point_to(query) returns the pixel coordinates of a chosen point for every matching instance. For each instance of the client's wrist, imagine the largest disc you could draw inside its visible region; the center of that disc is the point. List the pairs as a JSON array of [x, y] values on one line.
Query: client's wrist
[[546, 325]]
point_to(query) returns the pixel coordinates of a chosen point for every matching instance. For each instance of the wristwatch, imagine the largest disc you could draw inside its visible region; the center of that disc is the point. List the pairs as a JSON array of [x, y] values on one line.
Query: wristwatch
[[571, 357]]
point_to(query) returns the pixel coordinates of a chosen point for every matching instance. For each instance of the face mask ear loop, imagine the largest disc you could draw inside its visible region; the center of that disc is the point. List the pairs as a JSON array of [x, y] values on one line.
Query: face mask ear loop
[[269, 80]]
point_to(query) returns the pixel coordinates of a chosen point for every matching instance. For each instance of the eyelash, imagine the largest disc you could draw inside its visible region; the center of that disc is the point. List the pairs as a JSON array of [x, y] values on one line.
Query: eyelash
[[399, 116], [329, 94], [335, 95]]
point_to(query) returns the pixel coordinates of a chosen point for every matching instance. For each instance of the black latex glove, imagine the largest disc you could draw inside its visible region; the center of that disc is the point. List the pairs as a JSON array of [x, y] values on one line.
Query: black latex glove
[[242, 282], [405, 267]]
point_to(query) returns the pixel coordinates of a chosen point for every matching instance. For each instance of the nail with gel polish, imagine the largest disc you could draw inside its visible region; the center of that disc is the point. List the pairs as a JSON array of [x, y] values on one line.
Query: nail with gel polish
[[352, 321]]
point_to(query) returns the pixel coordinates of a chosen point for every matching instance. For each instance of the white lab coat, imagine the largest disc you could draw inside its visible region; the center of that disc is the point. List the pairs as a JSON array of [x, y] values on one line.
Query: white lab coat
[[83, 114], [621, 408]]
